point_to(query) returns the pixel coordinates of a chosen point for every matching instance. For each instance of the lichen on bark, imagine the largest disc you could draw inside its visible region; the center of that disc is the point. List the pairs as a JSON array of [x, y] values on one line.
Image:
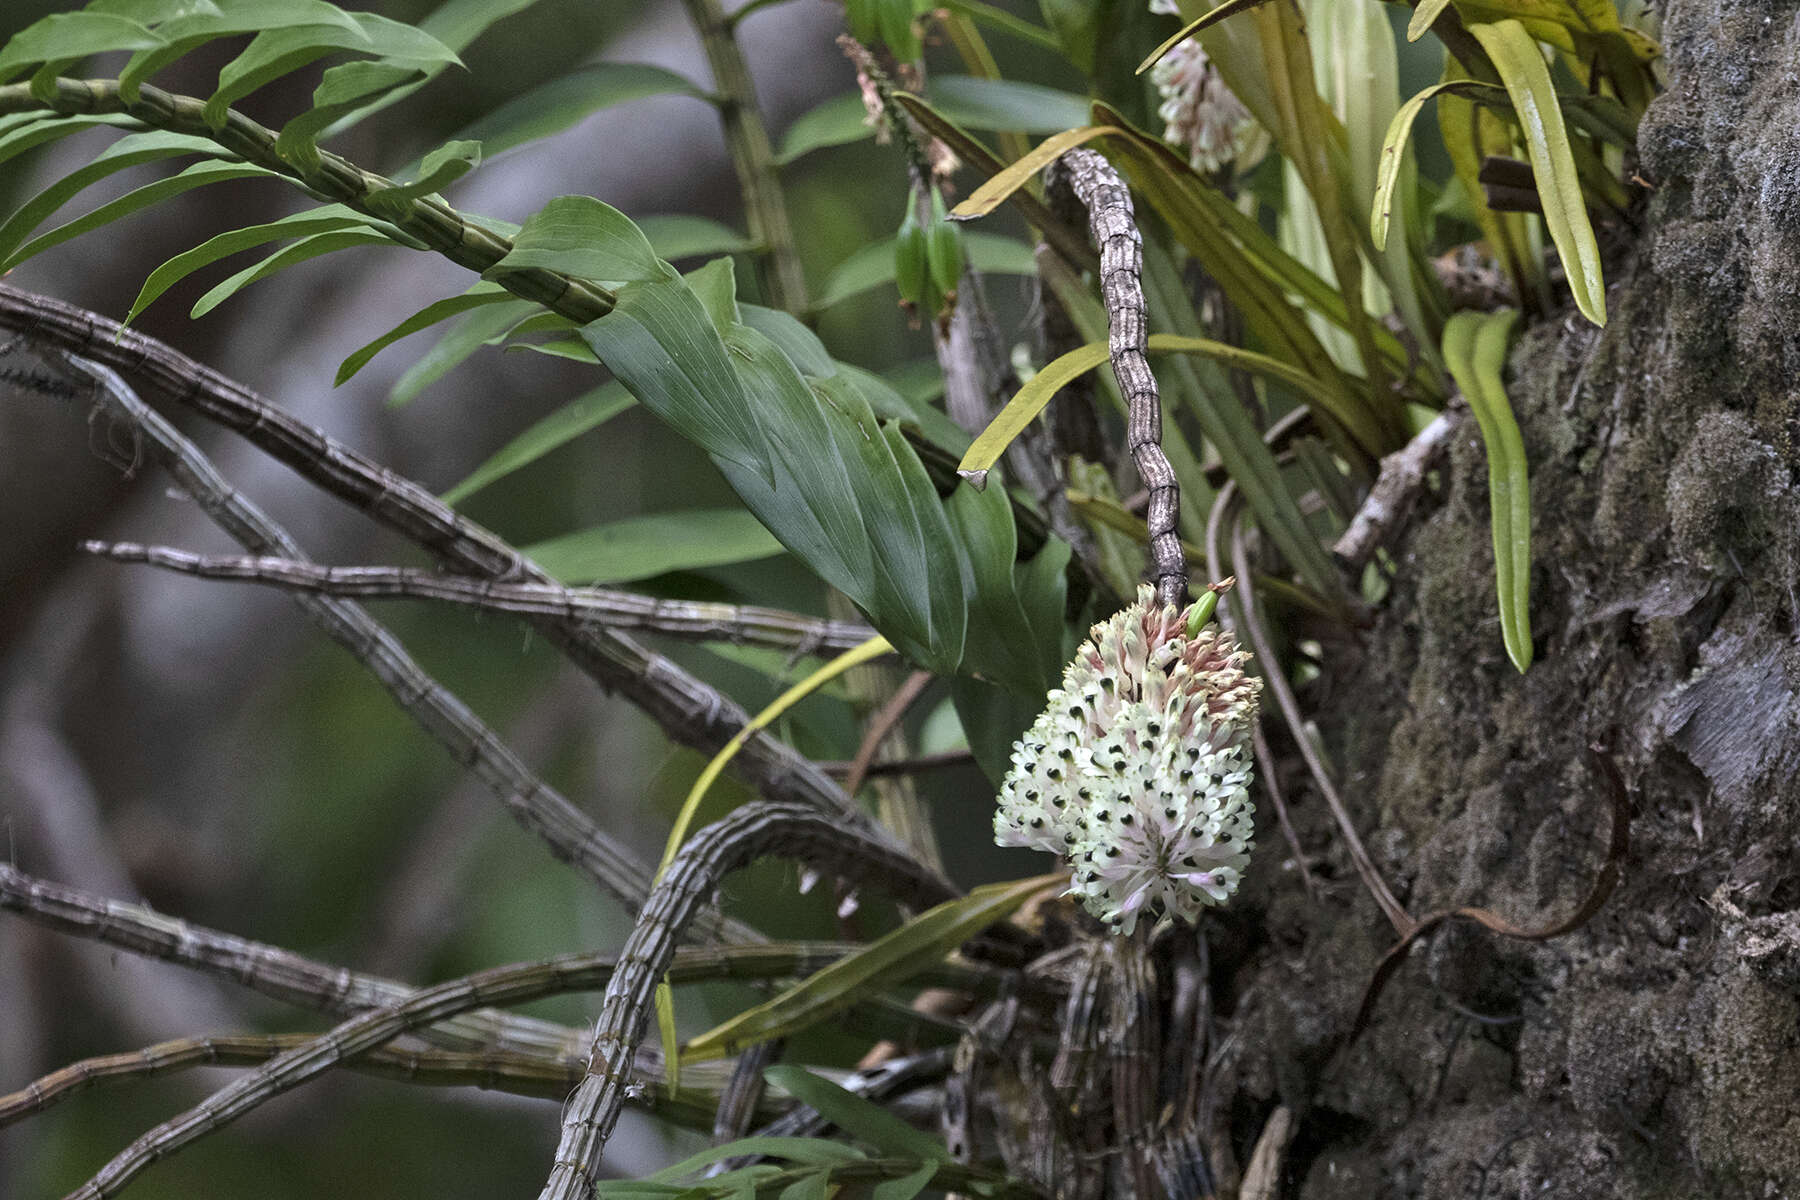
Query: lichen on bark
[[1654, 1052]]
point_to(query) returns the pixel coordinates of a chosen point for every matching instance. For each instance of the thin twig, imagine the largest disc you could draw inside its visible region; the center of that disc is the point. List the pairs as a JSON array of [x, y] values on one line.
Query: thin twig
[[882, 724], [1245, 598], [686, 619], [519, 1074], [1396, 490], [1265, 766], [1114, 228], [513, 984], [752, 832], [901, 766], [570, 833], [690, 712]]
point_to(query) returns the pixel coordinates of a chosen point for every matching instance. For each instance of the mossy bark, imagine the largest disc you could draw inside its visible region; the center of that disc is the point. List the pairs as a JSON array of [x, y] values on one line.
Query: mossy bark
[[1656, 1051]]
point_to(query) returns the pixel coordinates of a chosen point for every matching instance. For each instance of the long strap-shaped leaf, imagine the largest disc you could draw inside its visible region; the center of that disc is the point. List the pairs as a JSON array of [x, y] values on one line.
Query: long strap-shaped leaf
[[1024, 407], [1475, 352], [1521, 65], [887, 961]]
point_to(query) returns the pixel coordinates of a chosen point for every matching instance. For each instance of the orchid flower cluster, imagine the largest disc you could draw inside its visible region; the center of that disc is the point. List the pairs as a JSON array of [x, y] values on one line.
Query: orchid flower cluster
[[1199, 111], [1138, 771]]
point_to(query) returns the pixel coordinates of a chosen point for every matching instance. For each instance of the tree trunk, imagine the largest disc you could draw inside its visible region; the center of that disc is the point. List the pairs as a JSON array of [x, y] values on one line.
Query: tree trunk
[[1656, 1051]]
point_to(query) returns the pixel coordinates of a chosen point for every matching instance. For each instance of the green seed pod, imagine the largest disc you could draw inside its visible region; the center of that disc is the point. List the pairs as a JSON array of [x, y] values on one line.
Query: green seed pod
[[944, 249], [912, 272]]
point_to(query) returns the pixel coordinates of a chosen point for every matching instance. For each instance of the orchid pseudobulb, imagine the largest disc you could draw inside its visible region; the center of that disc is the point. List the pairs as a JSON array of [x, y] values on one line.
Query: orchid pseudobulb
[[1138, 771]]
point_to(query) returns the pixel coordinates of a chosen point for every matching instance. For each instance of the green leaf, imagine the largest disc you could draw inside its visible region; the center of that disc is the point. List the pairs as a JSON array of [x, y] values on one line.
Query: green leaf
[[479, 294], [277, 52], [1424, 17], [72, 36], [646, 546], [331, 218], [309, 247], [232, 18], [150, 12], [441, 168], [581, 236], [882, 964], [1521, 65], [873, 265], [906, 1186], [343, 90], [659, 341], [837, 122], [1193, 28], [1003, 104], [198, 175], [862, 1119], [578, 416], [561, 103], [475, 330], [681, 235], [808, 1151], [1475, 352], [1005, 644], [20, 132], [129, 151], [816, 1186]]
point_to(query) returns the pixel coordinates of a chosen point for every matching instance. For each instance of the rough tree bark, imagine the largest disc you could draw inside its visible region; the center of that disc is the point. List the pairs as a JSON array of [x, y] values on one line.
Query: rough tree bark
[[1656, 1051]]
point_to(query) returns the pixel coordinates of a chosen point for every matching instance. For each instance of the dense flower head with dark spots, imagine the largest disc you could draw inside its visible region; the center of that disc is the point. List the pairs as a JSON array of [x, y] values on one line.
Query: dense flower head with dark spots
[[1138, 771]]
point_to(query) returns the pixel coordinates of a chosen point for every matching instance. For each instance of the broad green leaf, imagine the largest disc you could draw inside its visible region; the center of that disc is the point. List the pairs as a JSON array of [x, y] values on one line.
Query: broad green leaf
[[814, 1186], [1393, 153], [198, 175], [862, 1119], [561, 103], [811, 1151], [882, 964], [581, 236], [837, 122], [342, 90], [330, 218], [1475, 352], [62, 37], [456, 23], [714, 284], [1005, 645], [20, 132], [277, 52], [1004, 104], [150, 12], [906, 1186], [233, 18], [129, 151], [477, 328], [578, 416], [1521, 65], [643, 547], [873, 265], [681, 235], [309, 247], [660, 343], [479, 294], [441, 168]]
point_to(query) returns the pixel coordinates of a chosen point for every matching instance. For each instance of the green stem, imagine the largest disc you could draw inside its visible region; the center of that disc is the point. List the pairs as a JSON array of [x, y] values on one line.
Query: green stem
[[436, 224], [765, 208]]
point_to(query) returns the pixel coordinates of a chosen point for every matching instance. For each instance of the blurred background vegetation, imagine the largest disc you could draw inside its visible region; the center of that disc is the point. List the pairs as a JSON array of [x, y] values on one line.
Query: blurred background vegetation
[[200, 747]]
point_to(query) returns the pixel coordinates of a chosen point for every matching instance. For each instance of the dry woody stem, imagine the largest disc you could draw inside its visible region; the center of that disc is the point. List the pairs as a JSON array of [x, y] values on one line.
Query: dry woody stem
[[689, 620], [1114, 228], [752, 832]]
